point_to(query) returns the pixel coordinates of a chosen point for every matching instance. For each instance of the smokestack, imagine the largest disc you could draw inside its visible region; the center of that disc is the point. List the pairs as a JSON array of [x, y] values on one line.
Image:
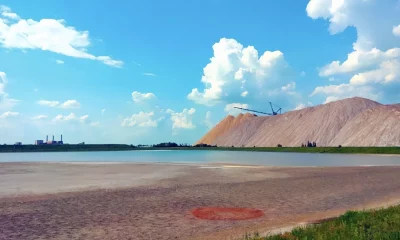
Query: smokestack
[[53, 138], [47, 138], [61, 137]]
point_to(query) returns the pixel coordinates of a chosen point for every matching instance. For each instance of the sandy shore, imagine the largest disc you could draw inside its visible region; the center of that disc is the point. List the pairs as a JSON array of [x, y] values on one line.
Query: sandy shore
[[153, 201]]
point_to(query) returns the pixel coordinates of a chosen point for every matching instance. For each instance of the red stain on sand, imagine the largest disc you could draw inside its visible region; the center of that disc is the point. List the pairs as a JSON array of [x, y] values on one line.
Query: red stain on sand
[[220, 213]]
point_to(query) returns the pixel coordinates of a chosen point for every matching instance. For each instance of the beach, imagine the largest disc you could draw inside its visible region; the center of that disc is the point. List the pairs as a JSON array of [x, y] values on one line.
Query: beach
[[154, 201]]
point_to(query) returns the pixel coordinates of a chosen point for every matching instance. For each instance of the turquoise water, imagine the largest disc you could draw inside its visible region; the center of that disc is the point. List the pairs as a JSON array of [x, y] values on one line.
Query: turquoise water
[[204, 157]]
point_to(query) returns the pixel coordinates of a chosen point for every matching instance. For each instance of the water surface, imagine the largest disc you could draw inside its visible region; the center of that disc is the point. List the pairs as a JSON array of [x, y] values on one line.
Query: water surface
[[206, 157]]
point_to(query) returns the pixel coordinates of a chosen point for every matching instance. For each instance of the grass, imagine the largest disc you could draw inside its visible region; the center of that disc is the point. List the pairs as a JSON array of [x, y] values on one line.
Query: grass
[[348, 150], [374, 224], [65, 148], [364, 150]]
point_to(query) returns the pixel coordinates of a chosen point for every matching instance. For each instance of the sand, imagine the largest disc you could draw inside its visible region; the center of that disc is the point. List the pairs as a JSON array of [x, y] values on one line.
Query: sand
[[154, 201], [349, 122]]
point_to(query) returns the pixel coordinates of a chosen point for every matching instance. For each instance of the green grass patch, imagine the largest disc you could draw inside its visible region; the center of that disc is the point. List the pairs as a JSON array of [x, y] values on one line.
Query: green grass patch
[[355, 225]]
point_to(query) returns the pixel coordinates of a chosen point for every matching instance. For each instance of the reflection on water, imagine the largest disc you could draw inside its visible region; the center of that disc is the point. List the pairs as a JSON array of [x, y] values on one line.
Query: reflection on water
[[204, 156]]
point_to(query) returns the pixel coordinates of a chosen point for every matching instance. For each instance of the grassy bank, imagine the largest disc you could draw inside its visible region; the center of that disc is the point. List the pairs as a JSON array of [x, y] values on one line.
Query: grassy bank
[[65, 148], [358, 150], [349, 150], [375, 224]]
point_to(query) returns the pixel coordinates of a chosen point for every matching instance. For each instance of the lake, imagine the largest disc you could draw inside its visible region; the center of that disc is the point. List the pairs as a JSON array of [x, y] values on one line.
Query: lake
[[207, 157]]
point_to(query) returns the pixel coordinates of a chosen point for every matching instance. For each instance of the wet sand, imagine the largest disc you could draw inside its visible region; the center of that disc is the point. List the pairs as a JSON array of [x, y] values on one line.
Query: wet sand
[[153, 201]]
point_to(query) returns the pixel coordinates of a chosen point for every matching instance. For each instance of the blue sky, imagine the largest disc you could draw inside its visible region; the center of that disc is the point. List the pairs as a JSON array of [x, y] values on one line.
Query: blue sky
[[153, 71]]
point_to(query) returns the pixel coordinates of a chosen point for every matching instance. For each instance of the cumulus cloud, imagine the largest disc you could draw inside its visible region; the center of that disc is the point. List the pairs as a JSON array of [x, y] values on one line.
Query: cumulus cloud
[[182, 119], [72, 118], [302, 106], [345, 90], [374, 20], [6, 103], [66, 104], [372, 68], [70, 104], [360, 60], [59, 61], [138, 97], [9, 114], [103, 111], [52, 35], [142, 119], [232, 108], [396, 30], [235, 72]]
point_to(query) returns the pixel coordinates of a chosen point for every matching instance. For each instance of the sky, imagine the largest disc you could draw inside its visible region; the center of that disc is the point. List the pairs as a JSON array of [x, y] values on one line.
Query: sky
[[143, 72]]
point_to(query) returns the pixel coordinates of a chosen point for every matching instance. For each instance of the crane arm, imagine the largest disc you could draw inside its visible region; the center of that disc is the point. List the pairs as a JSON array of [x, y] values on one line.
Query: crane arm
[[252, 110]]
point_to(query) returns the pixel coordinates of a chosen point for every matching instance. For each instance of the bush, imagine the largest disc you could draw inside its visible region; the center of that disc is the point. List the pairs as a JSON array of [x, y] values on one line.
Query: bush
[[279, 145]]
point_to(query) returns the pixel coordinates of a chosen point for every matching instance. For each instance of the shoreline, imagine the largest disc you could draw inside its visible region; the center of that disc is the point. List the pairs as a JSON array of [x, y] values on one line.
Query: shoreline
[[154, 201], [373, 150]]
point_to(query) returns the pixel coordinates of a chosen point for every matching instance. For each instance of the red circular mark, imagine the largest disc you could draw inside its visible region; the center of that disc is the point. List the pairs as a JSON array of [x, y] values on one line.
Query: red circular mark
[[220, 213]]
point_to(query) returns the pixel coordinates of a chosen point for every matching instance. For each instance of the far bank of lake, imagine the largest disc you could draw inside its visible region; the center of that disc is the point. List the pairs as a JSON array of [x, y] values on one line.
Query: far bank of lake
[[125, 147]]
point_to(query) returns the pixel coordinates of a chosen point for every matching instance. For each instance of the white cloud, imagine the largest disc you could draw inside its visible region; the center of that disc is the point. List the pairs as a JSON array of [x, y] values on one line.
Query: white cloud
[[289, 87], [244, 94], [149, 74], [230, 108], [373, 66], [72, 118], [6, 103], [396, 30], [48, 103], [359, 60], [7, 13], [84, 118], [48, 35], [138, 97], [66, 104], [374, 20], [235, 70], [103, 111], [9, 114], [302, 105], [142, 119], [303, 74], [39, 117], [59, 61], [182, 119], [341, 91], [70, 104], [208, 122]]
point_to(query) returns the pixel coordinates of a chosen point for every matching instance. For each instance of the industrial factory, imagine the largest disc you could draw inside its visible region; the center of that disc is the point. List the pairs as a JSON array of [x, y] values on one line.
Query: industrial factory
[[47, 142]]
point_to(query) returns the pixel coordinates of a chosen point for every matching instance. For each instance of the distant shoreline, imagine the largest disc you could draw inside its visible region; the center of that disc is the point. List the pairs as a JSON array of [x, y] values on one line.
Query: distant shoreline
[[125, 147]]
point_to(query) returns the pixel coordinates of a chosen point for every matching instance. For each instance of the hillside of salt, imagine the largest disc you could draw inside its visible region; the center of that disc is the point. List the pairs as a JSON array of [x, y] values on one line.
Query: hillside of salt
[[349, 122]]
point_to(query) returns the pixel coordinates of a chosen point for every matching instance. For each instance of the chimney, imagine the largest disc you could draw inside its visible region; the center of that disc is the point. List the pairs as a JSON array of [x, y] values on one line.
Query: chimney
[[53, 138], [47, 138], [61, 137]]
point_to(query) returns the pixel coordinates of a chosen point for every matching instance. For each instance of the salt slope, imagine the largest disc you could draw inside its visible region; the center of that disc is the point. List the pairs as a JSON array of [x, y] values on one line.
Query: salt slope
[[379, 126], [222, 127], [324, 124]]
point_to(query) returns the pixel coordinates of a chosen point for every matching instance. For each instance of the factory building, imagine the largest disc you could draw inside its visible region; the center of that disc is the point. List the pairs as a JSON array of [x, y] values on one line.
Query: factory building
[[47, 142]]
